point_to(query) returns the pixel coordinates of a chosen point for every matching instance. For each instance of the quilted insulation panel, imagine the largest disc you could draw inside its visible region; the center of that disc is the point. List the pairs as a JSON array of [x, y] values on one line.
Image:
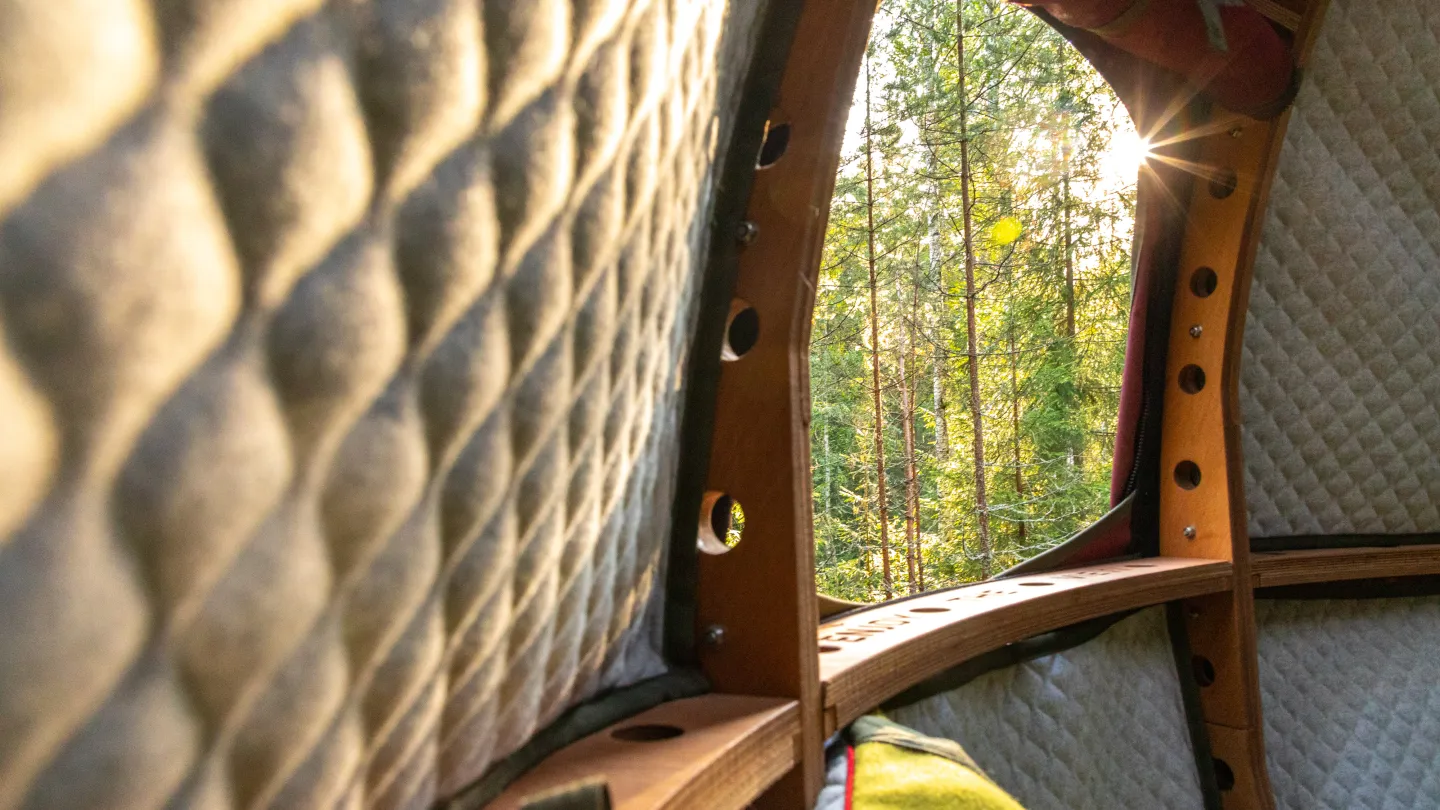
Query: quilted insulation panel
[[1099, 725], [1351, 693], [1340, 383], [340, 353]]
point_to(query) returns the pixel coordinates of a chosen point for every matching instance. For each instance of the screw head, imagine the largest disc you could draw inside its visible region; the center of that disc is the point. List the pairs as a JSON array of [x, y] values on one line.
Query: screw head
[[1236, 130], [1189, 532], [1196, 330], [714, 636], [746, 232]]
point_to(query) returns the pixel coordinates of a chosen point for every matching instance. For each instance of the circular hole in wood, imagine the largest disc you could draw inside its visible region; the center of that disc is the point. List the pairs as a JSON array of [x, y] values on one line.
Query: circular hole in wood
[[649, 732], [1187, 475], [1224, 775], [824, 648], [1204, 670], [1223, 184], [742, 332], [936, 609], [1192, 379], [1140, 565], [722, 523], [1037, 584], [777, 140], [1203, 282]]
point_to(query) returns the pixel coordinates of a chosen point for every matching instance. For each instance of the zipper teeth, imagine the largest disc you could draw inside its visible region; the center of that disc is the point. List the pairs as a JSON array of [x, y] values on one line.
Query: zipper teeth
[[1140, 428]]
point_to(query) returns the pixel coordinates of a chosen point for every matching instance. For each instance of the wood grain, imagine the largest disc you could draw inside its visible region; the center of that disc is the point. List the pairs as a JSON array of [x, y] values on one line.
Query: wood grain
[[732, 748], [1272, 569], [762, 592], [871, 656], [1203, 427]]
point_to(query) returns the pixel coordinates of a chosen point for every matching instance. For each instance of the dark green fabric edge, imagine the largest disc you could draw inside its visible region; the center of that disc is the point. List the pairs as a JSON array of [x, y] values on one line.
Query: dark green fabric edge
[[1058, 556], [1011, 654], [580, 721], [1382, 588], [697, 420], [1310, 542], [1194, 713], [594, 795]]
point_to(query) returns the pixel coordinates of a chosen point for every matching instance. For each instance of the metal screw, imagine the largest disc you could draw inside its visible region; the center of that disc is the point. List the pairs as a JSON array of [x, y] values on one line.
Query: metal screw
[[1194, 613], [1189, 532], [1196, 330], [714, 636], [746, 232], [1235, 131]]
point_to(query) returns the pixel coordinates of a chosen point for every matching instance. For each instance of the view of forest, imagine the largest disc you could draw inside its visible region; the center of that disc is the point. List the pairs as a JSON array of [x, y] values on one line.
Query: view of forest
[[970, 321]]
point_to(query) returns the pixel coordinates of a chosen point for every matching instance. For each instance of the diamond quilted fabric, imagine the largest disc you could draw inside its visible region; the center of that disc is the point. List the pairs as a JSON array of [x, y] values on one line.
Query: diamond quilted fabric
[[1351, 693], [1340, 383], [1099, 725], [340, 359]]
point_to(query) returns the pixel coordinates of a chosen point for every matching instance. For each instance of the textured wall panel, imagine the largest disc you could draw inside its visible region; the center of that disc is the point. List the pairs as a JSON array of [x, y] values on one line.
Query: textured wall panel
[[1098, 725], [340, 360], [1352, 702], [1340, 387]]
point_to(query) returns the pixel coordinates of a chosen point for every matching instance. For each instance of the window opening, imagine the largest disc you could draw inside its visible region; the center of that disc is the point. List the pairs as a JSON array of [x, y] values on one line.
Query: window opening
[[977, 262]]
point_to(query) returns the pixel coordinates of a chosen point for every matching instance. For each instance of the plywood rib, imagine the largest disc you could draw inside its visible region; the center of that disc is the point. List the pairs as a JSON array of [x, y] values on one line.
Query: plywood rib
[[870, 656], [728, 749]]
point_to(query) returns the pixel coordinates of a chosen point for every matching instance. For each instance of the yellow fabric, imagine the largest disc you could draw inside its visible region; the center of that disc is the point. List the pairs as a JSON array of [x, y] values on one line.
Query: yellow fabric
[[891, 776]]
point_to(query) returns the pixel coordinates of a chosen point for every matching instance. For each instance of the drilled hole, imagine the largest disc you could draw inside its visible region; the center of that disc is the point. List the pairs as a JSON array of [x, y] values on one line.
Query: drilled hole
[[1037, 584], [1140, 565], [722, 523], [1203, 282], [742, 332], [1204, 670], [824, 648], [1223, 185], [931, 610], [1224, 775], [1192, 379], [777, 139], [1187, 475], [649, 732]]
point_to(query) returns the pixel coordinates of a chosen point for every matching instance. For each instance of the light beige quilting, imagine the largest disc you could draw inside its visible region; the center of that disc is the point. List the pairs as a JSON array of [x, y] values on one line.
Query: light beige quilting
[[340, 361], [1340, 386]]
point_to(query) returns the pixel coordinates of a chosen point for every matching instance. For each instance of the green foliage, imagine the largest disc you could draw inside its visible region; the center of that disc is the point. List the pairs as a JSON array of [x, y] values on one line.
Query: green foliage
[[1041, 127]]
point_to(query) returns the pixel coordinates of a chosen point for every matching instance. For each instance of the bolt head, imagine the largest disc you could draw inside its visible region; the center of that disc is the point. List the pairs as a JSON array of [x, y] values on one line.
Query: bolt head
[[1189, 532], [714, 636], [746, 232], [1196, 330], [1235, 131]]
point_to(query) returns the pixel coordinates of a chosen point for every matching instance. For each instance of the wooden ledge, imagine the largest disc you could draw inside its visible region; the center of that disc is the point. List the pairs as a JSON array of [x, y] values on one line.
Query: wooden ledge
[[1273, 568], [730, 748], [872, 656]]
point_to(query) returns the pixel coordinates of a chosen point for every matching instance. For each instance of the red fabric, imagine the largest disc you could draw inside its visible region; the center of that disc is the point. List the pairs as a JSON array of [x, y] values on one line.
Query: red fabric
[[1252, 76], [849, 777], [1132, 382]]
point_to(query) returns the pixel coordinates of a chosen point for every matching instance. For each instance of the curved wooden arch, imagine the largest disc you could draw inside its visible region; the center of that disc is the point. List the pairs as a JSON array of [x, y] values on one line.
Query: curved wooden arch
[[801, 685]]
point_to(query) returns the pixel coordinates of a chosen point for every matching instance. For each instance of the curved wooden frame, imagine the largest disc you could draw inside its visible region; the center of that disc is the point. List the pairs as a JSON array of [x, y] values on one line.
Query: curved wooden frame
[[756, 603]]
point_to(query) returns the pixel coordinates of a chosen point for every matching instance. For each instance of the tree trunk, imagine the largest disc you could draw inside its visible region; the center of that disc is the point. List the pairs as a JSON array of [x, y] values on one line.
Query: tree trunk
[[972, 346], [1076, 452], [825, 433], [942, 432], [907, 426], [875, 347], [1015, 432]]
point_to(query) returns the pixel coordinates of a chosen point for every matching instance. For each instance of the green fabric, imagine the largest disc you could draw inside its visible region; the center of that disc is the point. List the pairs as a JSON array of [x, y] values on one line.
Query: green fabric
[[898, 768]]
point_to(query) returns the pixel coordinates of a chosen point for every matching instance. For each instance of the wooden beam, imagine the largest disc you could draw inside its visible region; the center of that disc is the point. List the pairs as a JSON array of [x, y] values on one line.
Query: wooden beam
[[1275, 568], [1202, 492], [871, 656], [713, 751], [756, 603]]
